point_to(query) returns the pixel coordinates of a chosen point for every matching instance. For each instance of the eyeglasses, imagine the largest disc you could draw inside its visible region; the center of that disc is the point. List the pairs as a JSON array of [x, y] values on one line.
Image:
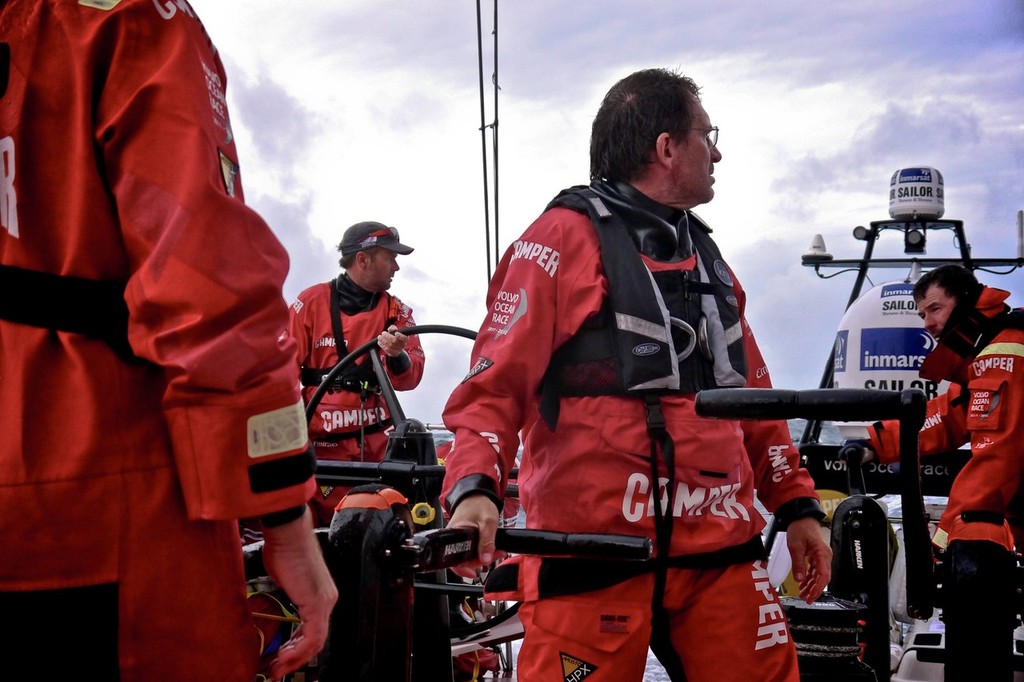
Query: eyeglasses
[[711, 135]]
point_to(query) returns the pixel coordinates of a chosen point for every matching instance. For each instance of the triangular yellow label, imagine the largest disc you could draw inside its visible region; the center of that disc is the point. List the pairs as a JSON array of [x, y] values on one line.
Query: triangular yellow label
[[575, 669]]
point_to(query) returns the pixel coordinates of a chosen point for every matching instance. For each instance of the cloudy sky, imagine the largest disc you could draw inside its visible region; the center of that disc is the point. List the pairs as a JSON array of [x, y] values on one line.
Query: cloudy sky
[[355, 110]]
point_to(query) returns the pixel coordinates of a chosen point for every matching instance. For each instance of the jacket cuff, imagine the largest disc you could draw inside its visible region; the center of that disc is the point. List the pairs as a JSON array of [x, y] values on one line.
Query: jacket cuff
[[799, 508], [400, 363], [474, 484]]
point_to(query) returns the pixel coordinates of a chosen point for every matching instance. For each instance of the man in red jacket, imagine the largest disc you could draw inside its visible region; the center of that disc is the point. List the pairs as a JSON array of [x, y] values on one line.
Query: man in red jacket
[[330, 319], [605, 318], [980, 352], [148, 403]]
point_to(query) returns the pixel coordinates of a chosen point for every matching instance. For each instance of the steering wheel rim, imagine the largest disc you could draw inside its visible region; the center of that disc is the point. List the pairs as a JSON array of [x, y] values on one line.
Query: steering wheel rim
[[363, 349]]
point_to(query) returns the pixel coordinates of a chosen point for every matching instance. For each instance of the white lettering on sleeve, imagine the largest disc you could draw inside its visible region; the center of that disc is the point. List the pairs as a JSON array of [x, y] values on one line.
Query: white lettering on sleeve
[[8, 197], [544, 256], [168, 9]]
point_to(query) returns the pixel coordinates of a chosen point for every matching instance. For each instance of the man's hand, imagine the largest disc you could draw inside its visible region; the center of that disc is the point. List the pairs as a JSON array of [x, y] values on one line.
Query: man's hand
[[864, 446], [294, 561], [477, 511], [812, 557], [392, 342]]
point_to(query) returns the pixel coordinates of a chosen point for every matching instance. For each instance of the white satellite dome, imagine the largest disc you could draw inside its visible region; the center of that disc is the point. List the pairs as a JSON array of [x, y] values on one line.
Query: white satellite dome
[[916, 194]]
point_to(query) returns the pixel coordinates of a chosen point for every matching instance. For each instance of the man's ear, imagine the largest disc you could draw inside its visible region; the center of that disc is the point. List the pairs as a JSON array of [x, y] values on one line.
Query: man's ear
[[367, 258], [664, 150]]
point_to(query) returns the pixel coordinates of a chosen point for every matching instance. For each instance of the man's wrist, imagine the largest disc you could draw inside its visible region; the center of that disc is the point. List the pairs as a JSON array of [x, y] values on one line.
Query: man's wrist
[[399, 363], [799, 508], [474, 484]]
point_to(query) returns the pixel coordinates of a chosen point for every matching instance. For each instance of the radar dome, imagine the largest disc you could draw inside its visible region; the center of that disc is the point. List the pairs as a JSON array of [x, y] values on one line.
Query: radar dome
[[916, 194]]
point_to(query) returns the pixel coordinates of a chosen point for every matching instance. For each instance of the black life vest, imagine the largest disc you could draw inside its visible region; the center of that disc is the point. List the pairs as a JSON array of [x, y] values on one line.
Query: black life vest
[[671, 331]]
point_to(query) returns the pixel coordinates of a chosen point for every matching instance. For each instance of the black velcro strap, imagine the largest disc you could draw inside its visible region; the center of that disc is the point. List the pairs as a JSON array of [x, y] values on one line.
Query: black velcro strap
[[282, 473], [65, 303], [982, 517], [279, 518], [5, 67]]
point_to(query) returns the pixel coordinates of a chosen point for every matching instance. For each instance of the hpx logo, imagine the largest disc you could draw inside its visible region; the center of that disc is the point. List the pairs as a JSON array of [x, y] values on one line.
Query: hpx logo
[[897, 289], [839, 350], [894, 348]]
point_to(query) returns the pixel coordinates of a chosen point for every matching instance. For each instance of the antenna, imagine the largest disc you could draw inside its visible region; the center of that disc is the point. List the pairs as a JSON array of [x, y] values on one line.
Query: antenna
[[915, 272], [816, 253], [1020, 234]]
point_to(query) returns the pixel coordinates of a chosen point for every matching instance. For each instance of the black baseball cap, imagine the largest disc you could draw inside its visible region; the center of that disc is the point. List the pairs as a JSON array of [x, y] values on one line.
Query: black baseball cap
[[370, 235]]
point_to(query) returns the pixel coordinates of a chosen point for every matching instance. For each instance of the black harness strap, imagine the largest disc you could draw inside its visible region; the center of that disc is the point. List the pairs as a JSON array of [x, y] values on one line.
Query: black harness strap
[[661, 442], [310, 376], [94, 308], [359, 379], [339, 335]]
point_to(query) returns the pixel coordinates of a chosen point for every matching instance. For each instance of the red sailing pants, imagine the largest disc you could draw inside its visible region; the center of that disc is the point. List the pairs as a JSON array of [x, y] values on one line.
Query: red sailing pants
[[726, 625]]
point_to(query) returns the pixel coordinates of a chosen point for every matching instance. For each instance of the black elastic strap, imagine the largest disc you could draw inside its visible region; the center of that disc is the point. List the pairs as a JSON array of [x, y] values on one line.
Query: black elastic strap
[[282, 473], [94, 308], [279, 518], [983, 517], [5, 67]]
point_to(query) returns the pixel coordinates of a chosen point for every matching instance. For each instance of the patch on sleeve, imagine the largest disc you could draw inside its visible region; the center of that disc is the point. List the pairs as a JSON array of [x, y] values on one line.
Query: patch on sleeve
[[277, 431], [105, 5], [508, 308], [229, 173], [481, 364], [984, 411]]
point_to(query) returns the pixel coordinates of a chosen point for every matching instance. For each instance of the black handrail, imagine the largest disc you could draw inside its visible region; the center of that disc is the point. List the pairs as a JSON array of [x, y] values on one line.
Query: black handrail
[[344, 362], [853, 404]]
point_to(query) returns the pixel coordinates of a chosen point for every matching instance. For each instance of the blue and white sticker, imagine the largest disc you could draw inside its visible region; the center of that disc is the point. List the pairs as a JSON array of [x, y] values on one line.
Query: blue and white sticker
[[722, 271], [644, 349]]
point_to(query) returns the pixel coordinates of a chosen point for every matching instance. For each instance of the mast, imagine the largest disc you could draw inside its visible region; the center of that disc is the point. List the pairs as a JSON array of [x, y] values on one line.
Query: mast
[[493, 126]]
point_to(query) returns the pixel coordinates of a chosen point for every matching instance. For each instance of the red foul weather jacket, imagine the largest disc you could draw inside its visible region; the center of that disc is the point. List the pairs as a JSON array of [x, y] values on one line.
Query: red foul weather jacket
[[119, 165], [983, 407], [341, 414], [593, 472]]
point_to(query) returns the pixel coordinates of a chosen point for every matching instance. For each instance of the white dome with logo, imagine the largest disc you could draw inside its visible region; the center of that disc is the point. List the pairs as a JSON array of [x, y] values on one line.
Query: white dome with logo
[[881, 343]]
